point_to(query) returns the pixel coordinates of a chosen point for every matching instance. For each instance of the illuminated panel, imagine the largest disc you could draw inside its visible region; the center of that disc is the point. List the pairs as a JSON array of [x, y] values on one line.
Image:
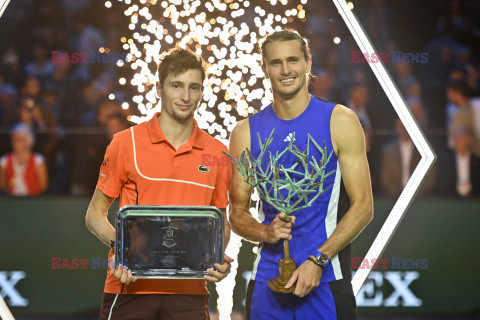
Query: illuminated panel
[[3, 6], [4, 312], [418, 138]]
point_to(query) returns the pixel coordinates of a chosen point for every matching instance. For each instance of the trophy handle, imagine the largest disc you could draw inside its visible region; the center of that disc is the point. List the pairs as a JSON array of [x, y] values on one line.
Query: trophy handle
[[286, 249], [286, 267]]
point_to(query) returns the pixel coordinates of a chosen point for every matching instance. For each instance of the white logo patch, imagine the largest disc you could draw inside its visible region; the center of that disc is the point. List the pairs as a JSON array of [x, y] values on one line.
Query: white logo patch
[[289, 138]]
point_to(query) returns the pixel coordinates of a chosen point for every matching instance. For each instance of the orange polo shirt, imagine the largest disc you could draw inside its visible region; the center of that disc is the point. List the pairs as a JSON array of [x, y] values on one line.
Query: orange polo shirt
[[143, 168]]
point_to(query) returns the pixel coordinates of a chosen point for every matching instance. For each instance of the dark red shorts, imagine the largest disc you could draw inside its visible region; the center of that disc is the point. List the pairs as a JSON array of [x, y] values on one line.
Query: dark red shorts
[[154, 306]]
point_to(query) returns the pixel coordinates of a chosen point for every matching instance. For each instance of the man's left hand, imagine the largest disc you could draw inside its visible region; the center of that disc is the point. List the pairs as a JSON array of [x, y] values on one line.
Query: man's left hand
[[307, 276], [222, 270]]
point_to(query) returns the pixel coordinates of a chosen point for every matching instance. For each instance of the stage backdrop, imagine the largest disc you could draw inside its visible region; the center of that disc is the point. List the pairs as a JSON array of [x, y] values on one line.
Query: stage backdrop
[[50, 264]]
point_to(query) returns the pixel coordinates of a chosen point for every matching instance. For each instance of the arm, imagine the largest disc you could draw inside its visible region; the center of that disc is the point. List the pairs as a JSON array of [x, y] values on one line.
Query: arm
[[347, 136], [96, 218], [241, 220], [97, 222], [349, 144], [111, 179]]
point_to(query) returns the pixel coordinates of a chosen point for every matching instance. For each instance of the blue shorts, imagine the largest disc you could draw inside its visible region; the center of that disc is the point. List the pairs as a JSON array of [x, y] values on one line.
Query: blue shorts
[[329, 301]]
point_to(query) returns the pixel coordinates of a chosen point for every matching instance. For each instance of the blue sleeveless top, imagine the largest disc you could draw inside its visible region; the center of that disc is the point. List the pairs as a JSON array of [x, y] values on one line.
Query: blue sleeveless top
[[313, 224]]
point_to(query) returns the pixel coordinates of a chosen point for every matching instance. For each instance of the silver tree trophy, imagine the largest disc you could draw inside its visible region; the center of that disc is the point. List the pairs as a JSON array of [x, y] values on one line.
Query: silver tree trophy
[[303, 182]]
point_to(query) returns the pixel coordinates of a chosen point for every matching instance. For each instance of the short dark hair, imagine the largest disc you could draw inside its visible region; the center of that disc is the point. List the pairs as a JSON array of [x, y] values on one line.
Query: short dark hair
[[286, 35], [461, 87], [179, 60]]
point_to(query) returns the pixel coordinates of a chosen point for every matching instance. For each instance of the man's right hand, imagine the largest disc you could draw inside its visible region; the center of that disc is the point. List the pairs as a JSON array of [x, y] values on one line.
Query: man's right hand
[[280, 228], [122, 273]]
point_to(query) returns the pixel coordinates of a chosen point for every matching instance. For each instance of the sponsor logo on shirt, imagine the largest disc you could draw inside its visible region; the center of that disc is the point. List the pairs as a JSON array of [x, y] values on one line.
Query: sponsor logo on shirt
[[203, 168], [289, 138]]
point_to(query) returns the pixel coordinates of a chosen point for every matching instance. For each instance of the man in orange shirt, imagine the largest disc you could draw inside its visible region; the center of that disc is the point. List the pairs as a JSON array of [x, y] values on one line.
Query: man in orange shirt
[[167, 160]]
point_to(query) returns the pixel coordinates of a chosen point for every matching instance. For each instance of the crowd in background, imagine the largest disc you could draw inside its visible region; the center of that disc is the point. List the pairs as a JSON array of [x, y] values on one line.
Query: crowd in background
[[56, 119], [65, 107], [441, 87]]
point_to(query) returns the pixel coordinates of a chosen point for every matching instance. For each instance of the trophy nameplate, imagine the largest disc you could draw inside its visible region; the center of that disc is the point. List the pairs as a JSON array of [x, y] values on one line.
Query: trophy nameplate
[[169, 242]]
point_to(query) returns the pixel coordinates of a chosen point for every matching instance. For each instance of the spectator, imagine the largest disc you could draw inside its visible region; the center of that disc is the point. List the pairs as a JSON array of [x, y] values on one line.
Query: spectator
[[323, 84], [43, 124], [87, 159], [8, 102], [467, 165], [31, 114], [464, 138], [32, 88], [463, 118], [407, 82], [72, 6], [453, 21], [457, 75], [400, 157], [84, 111], [10, 65], [106, 108], [22, 172], [358, 103], [41, 67], [116, 122], [89, 40], [49, 103], [8, 99]]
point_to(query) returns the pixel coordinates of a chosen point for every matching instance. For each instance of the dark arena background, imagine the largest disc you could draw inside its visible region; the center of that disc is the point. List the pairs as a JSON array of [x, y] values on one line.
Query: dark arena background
[[74, 72]]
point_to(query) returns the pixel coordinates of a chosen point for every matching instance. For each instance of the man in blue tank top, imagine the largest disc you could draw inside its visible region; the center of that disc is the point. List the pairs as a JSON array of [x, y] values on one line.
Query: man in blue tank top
[[319, 235]]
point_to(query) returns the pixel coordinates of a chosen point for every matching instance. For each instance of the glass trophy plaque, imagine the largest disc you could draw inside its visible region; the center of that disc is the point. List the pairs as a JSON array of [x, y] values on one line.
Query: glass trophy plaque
[[169, 242]]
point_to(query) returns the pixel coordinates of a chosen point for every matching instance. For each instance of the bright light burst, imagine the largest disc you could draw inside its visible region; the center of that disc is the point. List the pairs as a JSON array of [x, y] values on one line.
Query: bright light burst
[[226, 34]]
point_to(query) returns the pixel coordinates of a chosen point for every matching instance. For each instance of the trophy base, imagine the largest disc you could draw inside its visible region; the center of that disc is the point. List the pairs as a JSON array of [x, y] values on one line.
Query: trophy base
[[286, 267], [279, 286]]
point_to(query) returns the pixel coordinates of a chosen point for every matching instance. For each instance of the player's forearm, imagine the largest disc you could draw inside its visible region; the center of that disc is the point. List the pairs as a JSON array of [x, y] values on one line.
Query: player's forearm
[[247, 226], [101, 228], [351, 225]]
